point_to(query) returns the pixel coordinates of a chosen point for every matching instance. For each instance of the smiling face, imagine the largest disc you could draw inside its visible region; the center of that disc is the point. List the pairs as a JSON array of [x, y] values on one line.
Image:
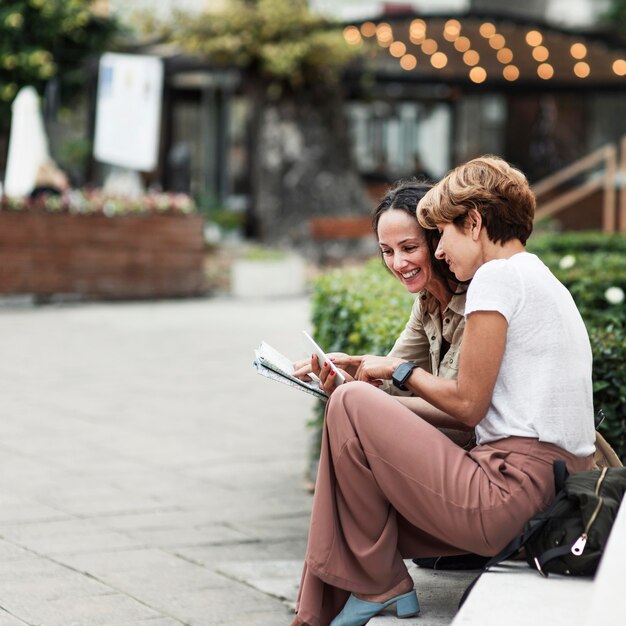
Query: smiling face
[[404, 249]]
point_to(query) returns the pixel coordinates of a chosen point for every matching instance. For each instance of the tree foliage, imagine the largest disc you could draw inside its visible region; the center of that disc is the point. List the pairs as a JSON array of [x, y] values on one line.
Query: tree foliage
[[616, 15], [42, 39], [280, 39]]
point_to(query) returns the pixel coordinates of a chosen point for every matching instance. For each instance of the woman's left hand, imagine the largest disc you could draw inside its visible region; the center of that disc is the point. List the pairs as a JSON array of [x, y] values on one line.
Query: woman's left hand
[[376, 368], [326, 376]]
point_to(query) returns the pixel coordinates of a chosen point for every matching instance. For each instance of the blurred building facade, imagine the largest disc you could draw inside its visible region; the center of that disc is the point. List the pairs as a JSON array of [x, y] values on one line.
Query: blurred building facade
[[415, 118], [159, 8], [571, 13]]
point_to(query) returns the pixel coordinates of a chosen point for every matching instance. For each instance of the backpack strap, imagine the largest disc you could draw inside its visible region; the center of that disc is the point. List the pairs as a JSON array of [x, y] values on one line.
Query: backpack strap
[[599, 418], [548, 555], [560, 475], [533, 526]]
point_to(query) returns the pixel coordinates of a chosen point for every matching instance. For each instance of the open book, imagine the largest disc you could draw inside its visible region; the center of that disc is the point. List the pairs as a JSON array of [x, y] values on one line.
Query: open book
[[272, 364]]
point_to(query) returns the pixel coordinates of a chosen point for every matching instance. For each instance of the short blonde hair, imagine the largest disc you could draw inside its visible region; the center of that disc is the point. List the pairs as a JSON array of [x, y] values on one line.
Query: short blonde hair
[[498, 191]]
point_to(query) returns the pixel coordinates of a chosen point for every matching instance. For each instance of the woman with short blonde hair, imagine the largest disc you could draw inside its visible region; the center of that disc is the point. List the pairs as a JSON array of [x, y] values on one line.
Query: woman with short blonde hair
[[390, 485]]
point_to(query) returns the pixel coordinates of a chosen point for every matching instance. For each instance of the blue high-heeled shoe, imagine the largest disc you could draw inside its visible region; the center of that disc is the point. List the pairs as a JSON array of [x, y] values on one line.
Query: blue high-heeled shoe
[[358, 612]]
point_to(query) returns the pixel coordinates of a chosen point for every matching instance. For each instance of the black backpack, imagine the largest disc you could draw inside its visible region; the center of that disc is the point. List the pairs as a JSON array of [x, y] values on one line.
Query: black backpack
[[570, 535]]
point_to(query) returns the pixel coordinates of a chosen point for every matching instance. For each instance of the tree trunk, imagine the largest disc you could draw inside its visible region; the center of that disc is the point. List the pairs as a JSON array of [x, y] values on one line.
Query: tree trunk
[[300, 163]]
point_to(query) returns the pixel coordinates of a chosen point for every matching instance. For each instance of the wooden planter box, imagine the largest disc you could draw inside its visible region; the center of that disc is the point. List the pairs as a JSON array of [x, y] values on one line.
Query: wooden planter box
[[130, 256]]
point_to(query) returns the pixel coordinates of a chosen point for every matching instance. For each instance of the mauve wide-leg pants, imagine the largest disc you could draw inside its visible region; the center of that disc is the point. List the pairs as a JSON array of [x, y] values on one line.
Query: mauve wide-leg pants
[[390, 486]]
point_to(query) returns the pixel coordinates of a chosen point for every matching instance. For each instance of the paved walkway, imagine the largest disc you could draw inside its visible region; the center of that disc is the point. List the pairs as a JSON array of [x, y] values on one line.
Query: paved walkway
[[148, 476]]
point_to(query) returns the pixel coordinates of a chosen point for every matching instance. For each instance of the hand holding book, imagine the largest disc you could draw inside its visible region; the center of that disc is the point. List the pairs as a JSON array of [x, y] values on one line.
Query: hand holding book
[[272, 364], [345, 362]]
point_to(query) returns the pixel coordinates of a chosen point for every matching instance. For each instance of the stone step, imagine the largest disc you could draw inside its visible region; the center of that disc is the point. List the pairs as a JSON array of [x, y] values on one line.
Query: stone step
[[516, 595]]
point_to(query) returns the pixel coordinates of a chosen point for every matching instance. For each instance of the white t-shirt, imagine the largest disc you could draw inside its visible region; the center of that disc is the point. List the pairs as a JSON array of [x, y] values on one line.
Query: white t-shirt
[[544, 388]]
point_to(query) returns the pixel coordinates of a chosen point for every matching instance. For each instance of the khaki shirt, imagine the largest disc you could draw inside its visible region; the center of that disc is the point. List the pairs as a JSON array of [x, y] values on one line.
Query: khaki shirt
[[421, 339]]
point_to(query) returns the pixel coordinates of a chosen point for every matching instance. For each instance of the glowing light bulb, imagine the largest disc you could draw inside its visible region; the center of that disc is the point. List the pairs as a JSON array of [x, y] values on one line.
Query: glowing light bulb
[[368, 29], [478, 74], [384, 33], [471, 57], [408, 62], [545, 71], [534, 38], [451, 30], [582, 69], [397, 49], [352, 35], [619, 67], [510, 72], [429, 46], [462, 44], [439, 60], [487, 29], [417, 29], [505, 56], [497, 42]]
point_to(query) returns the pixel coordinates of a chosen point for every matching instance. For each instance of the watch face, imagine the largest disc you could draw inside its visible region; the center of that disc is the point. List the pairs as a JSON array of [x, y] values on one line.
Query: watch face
[[402, 373]]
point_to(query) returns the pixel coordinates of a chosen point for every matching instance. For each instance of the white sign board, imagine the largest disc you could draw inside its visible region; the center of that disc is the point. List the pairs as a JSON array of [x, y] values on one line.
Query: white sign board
[[128, 111]]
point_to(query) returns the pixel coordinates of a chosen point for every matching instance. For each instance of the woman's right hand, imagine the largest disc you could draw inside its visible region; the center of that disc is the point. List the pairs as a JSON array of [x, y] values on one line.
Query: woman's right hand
[[327, 377], [343, 361]]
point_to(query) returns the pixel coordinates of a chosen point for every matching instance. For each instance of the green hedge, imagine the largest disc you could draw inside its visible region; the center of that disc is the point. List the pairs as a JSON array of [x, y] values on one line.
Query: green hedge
[[359, 310], [363, 311]]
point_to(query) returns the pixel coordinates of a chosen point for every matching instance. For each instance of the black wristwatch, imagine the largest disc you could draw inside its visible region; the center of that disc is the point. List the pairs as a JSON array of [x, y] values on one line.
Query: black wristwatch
[[401, 374]]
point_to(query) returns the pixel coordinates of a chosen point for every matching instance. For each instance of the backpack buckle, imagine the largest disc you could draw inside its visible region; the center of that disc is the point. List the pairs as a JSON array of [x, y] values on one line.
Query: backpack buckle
[[538, 566]]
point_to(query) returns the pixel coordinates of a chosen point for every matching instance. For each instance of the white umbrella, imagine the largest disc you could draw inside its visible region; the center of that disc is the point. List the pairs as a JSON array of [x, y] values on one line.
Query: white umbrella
[[28, 144]]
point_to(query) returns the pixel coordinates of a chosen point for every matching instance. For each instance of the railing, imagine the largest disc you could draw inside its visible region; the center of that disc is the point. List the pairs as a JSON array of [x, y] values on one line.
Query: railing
[[622, 182], [608, 179]]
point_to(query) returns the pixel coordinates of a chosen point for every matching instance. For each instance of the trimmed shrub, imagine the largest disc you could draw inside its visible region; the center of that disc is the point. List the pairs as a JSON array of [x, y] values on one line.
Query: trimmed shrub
[[360, 310], [364, 310]]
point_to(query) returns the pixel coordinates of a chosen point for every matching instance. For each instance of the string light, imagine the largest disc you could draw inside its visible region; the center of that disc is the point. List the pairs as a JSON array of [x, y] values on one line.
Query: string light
[[429, 46], [471, 57], [619, 67], [534, 38], [368, 29], [452, 30], [545, 71], [505, 56], [417, 31], [384, 34], [540, 54], [582, 69], [497, 42], [352, 35], [487, 29], [439, 60], [462, 44], [510, 72], [397, 49], [478, 74], [408, 62]]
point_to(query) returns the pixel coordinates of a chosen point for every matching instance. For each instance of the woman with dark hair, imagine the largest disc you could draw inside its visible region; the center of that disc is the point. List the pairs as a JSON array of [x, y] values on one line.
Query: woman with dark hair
[[433, 333], [390, 486]]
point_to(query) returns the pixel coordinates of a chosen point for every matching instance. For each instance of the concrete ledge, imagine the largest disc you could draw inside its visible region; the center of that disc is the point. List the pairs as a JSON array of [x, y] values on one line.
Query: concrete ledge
[[513, 593], [608, 605]]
